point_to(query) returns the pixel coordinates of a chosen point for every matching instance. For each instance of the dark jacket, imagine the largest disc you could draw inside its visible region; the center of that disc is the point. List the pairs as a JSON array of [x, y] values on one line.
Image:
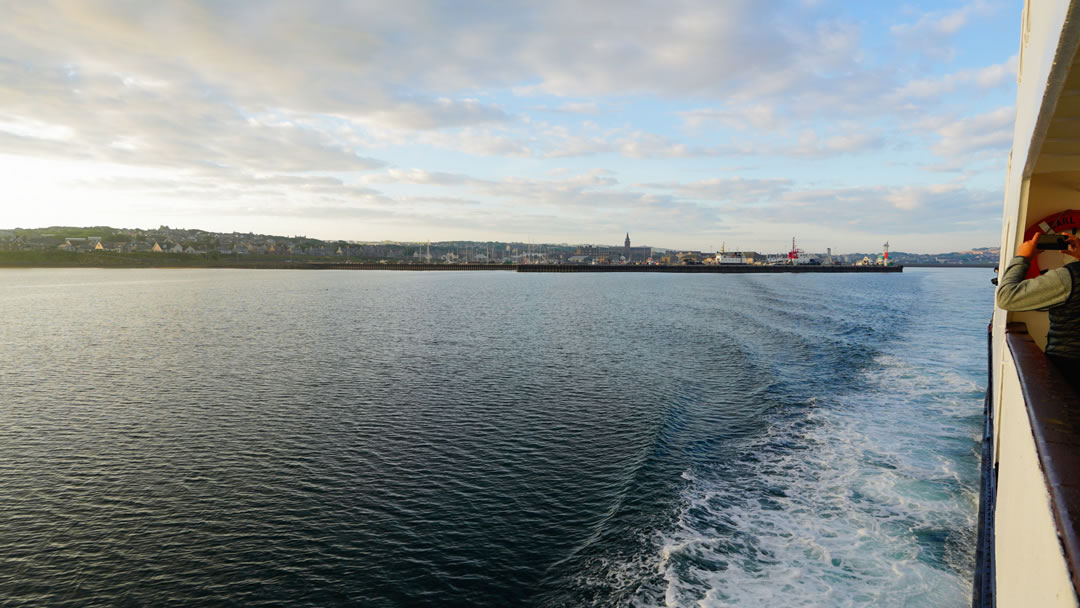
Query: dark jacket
[[1057, 290]]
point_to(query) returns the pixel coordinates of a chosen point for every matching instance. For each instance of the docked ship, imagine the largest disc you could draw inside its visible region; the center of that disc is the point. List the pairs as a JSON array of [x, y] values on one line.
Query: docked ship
[[1029, 534]]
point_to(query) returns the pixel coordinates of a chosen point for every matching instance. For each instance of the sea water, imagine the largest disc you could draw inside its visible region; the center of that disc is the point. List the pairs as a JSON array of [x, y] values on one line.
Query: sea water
[[208, 437]]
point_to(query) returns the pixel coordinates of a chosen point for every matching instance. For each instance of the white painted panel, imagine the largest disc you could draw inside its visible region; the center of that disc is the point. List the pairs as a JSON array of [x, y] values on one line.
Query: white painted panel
[[1030, 562]]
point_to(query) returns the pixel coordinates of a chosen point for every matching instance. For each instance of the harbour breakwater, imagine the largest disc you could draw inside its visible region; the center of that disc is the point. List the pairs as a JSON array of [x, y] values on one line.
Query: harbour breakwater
[[721, 269]]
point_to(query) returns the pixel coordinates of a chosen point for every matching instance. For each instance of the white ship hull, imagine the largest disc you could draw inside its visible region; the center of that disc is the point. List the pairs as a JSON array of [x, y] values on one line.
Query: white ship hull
[[1028, 554]]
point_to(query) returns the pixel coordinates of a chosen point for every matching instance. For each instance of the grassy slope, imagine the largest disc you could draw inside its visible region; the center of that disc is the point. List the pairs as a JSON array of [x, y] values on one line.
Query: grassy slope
[[104, 259]]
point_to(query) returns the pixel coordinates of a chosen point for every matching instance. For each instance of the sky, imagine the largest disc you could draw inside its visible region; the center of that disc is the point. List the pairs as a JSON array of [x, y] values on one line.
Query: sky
[[690, 124]]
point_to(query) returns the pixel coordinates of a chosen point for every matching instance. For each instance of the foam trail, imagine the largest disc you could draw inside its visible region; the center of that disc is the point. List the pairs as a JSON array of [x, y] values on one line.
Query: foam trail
[[863, 515], [865, 496]]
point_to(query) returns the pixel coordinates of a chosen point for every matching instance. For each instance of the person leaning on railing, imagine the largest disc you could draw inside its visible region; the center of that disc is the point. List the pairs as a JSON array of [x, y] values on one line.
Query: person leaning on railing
[[1057, 291]]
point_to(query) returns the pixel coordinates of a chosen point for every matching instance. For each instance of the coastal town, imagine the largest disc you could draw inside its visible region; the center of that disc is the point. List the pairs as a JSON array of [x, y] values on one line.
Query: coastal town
[[57, 243]]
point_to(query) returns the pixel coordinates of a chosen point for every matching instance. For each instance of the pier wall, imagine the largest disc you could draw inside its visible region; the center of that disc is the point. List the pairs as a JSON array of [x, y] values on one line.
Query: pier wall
[[719, 269]]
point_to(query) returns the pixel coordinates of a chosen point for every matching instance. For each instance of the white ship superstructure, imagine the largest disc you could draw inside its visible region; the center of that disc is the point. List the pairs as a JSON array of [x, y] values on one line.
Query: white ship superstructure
[[1029, 549]]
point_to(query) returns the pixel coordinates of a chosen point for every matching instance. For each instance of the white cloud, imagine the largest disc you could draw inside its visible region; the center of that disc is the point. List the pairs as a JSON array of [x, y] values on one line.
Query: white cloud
[[989, 131], [929, 209], [415, 176], [158, 125], [759, 116], [36, 129], [945, 22], [932, 33], [571, 107], [736, 190], [241, 101], [987, 77], [813, 145], [477, 142], [432, 114], [325, 57]]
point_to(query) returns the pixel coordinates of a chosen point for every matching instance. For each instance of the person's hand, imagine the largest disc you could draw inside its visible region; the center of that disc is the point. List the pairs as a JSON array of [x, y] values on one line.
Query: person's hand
[[1027, 248], [1074, 246]]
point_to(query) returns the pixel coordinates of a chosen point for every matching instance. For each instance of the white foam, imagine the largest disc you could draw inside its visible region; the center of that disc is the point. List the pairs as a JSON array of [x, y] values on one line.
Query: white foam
[[877, 510]]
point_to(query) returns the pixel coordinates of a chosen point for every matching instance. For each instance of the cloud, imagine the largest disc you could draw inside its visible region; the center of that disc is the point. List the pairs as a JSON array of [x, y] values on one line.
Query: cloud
[[813, 145], [437, 113], [932, 32], [586, 198], [988, 77], [729, 190], [159, 125], [220, 185], [562, 143], [419, 66], [759, 116], [944, 22], [321, 104], [570, 107], [415, 176], [356, 58], [927, 209], [476, 142], [991, 131], [931, 208], [297, 57], [35, 129]]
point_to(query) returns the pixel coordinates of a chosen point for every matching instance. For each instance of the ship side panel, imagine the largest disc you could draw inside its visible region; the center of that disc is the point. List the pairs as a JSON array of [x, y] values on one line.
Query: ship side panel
[[1047, 48], [1029, 560], [1041, 37], [1030, 564]]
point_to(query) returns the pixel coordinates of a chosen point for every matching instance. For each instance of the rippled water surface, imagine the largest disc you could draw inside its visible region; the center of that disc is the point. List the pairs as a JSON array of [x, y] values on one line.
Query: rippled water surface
[[209, 437]]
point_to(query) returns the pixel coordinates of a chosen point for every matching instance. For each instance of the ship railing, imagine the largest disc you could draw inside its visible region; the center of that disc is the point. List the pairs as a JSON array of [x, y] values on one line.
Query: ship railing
[[983, 591]]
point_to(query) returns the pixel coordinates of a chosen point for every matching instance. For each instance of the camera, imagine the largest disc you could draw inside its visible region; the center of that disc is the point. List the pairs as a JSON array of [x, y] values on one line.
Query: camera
[[1052, 241]]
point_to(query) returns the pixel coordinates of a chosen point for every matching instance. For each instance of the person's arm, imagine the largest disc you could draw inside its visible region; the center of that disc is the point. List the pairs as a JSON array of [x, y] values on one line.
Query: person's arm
[[1017, 293]]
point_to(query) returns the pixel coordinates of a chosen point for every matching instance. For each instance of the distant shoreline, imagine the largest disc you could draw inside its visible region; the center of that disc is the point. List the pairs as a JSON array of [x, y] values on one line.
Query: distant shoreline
[[63, 259], [521, 268]]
